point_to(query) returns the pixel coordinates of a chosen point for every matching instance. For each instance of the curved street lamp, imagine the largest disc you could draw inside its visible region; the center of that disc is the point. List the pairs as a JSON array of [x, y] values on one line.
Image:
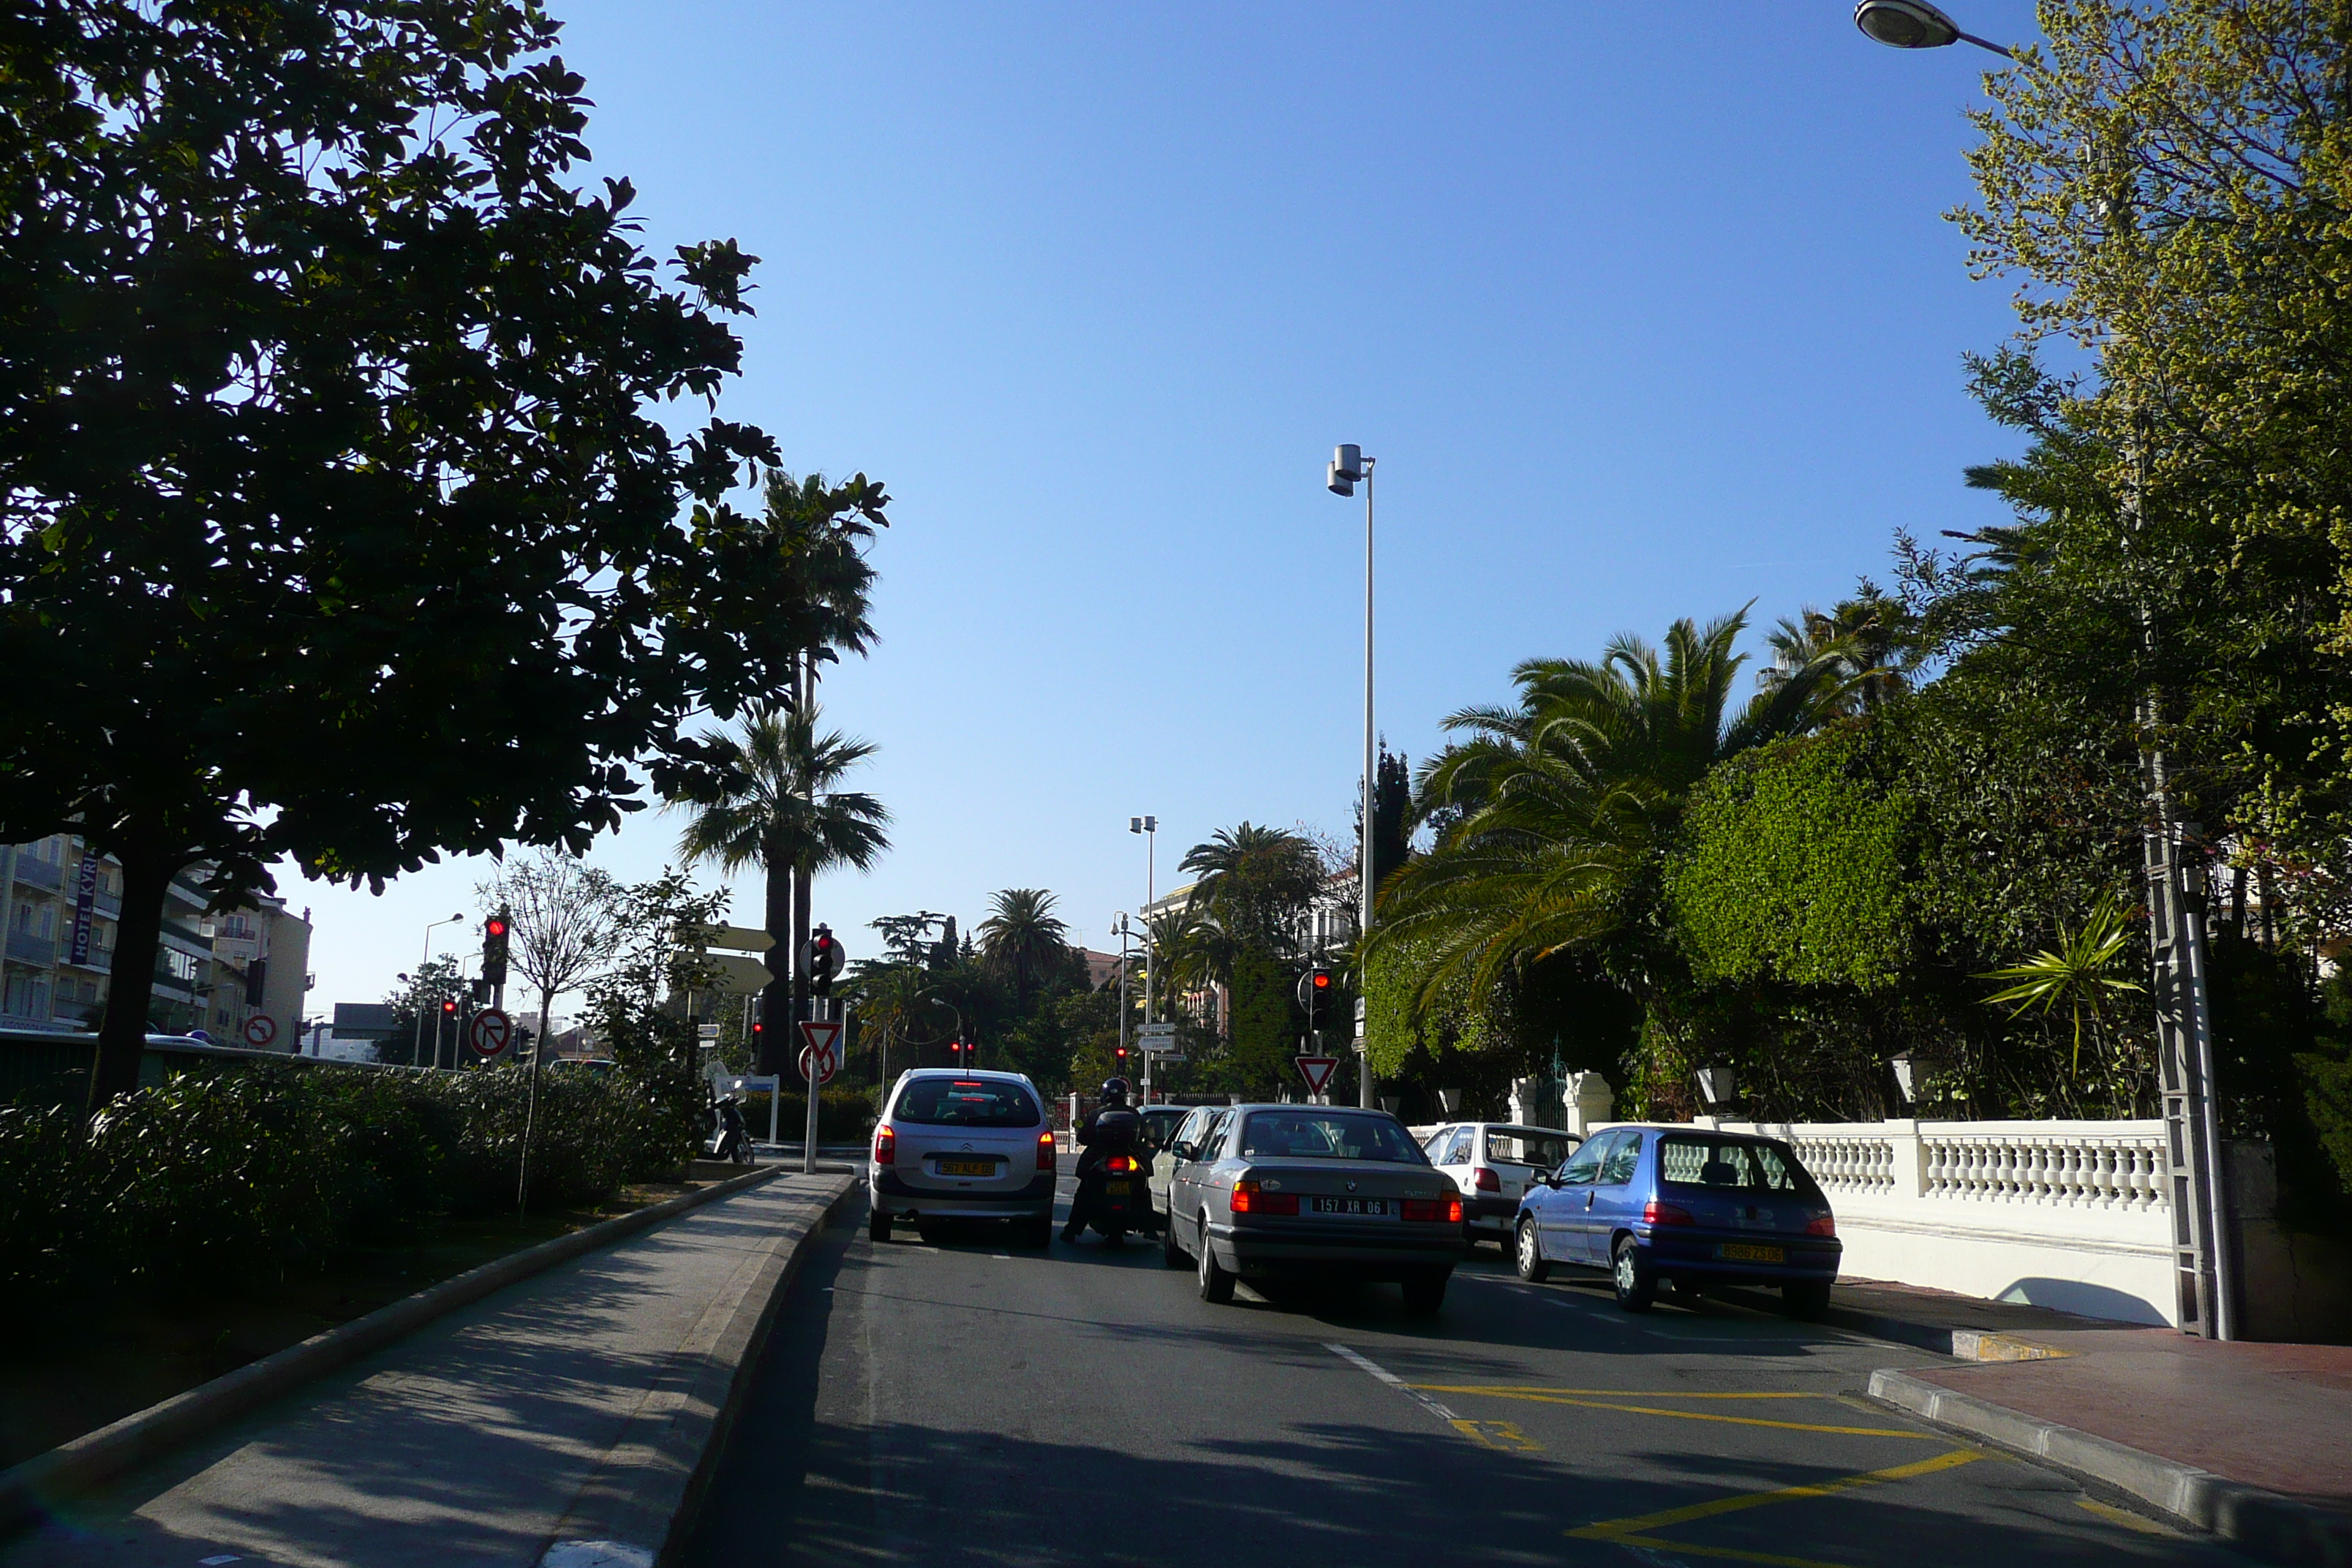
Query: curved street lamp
[[1916, 25]]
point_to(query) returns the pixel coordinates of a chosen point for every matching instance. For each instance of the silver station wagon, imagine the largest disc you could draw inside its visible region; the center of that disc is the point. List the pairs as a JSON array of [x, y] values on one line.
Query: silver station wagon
[[1307, 1192]]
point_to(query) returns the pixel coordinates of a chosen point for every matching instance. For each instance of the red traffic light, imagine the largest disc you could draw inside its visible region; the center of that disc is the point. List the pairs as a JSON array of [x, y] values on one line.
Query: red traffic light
[[1322, 980], [449, 1007], [493, 927]]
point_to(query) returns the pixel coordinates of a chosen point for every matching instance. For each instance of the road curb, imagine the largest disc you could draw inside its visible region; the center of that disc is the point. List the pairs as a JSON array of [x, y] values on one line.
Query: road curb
[[638, 1508], [1961, 1345], [95, 1458], [2258, 1522]]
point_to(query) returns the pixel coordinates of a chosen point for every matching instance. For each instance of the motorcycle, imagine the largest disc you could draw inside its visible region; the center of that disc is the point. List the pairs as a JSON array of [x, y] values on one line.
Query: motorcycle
[[729, 1138], [1122, 1199]]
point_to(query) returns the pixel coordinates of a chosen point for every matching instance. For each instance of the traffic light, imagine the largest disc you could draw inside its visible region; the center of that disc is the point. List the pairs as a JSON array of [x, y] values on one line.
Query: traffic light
[[496, 933], [482, 992], [449, 1007], [824, 955], [1122, 1061], [1314, 988]]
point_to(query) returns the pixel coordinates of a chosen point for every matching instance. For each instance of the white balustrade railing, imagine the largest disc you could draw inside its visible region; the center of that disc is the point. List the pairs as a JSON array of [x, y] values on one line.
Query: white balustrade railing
[[2062, 1164], [1844, 1161]]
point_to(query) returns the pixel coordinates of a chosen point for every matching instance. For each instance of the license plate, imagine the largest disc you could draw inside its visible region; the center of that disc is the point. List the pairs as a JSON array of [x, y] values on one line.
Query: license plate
[[1375, 1208], [1115, 1189], [1744, 1252], [967, 1167]]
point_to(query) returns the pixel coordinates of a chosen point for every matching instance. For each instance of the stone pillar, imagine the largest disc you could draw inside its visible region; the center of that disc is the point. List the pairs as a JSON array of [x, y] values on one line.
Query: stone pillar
[[1590, 1101]]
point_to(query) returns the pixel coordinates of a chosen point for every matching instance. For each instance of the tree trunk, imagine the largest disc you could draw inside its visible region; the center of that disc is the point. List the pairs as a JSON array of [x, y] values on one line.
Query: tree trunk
[[138, 938], [775, 998]]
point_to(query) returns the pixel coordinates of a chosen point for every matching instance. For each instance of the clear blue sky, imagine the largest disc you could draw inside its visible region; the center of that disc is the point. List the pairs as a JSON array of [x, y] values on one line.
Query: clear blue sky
[[1646, 311]]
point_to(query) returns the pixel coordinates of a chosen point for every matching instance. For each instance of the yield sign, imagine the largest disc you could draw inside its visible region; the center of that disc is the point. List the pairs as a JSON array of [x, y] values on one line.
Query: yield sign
[[820, 1058], [1317, 1072], [489, 1032]]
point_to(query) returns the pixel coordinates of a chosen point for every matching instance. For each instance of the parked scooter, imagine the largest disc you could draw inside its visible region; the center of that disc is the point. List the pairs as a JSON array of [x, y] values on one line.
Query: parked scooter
[[729, 1138]]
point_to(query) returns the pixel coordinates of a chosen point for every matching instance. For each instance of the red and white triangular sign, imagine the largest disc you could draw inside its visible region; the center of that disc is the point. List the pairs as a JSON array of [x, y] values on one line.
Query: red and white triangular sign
[[1317, 1072], [819, 1057]]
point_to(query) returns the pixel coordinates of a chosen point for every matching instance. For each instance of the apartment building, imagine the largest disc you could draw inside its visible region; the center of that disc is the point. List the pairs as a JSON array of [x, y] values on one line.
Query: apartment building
[[59, 907]]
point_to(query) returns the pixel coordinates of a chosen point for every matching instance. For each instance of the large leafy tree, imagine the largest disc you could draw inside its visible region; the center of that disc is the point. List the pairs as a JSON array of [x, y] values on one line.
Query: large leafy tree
[[334, 519], [1256, 884], [774, 801], [1562, 804], [1023, 940]]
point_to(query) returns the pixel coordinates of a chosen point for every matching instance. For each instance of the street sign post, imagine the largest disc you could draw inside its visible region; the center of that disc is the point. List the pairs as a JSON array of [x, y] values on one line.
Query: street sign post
[[820, 1059], [1317, 1072], [259, 1030], [490, 1031]]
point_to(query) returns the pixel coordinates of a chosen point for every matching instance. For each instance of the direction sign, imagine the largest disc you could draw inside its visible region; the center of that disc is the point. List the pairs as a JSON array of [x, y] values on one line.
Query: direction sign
[[1317, 1072], [820, 1058], [490, 1031], [259, 1031]]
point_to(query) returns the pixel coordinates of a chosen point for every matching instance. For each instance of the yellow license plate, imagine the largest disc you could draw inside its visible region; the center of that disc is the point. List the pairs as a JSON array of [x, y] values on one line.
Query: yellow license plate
[[967, 1167], [1115, 1189], [1743, 1252]]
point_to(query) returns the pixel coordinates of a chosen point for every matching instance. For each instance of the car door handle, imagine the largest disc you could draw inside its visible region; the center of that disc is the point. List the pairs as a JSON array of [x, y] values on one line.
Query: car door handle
[[1587, 1200]]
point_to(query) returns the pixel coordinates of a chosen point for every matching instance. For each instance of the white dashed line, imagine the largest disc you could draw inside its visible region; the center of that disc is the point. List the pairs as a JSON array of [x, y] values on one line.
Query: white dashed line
[[1366, 1363]]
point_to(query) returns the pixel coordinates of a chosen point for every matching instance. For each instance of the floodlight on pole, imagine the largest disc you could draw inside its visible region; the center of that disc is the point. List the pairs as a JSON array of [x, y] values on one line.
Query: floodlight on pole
[[1916, 25], [1349, 467]]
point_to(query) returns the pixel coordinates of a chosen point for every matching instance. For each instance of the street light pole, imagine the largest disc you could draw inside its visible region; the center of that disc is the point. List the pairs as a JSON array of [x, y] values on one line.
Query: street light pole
[[2205, 1276], [416, 1058], [1348, 465]]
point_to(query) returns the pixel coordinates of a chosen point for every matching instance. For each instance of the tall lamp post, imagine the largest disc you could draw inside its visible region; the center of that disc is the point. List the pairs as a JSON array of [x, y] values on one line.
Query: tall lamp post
[[2205, 1272], [1149, 828], [417, 1056], [1349, 467]]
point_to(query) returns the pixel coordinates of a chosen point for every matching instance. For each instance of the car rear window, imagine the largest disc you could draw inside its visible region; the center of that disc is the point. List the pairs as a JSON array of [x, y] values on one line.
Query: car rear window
[[966, 1103], [1525, 1146], [1318, 1135], [1729, 1166]]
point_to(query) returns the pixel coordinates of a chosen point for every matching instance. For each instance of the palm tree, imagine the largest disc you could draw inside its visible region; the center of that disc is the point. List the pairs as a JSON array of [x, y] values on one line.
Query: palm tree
[[780, 808], [1023, 939], [1255, 885], [1867, 646], [1560, 806]]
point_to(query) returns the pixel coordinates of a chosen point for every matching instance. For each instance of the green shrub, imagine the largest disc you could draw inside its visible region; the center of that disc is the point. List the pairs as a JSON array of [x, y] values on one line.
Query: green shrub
[[208, 1182]]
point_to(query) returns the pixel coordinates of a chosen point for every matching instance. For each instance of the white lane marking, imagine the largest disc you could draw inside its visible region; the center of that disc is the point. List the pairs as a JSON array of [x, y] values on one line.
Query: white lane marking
[[1653, 1555], [1366, 1363]]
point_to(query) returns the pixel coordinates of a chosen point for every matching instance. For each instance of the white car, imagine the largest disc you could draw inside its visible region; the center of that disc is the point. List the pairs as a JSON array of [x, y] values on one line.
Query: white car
[[958, 1143], [1492, 1162]]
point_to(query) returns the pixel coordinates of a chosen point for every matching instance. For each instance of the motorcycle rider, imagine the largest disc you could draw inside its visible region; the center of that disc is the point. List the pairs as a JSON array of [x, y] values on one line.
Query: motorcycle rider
[[1110, 1128]]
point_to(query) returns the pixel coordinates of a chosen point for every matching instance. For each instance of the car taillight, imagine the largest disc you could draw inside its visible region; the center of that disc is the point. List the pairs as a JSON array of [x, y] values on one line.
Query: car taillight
[[1250, 1198], [1821, 1224], [886, 1146], [1121, 1162], [1446, 1210], [1656, 1213], [1046, 1151], [1485, 1181]]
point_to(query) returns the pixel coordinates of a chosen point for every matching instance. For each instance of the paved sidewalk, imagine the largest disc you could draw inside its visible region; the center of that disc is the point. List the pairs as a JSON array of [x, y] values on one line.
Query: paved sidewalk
[[2188, 1424], [481, 1438]]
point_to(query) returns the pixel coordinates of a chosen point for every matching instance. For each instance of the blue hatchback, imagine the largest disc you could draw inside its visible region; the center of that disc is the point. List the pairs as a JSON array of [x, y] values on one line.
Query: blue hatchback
[[1687, 1207]]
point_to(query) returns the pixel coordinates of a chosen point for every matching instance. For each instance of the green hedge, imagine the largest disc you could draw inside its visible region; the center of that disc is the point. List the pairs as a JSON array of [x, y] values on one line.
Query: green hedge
[[210, 1181], [844, 1115]]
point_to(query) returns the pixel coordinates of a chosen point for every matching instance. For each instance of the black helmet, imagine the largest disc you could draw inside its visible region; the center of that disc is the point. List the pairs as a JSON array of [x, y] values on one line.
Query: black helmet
[[1114, 1089]]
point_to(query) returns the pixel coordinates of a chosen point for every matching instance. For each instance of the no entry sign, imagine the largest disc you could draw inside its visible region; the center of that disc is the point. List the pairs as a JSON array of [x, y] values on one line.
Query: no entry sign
[[490, 1032], [820, 1057]]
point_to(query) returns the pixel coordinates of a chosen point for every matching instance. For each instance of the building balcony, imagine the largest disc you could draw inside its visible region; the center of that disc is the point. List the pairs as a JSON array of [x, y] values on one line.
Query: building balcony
[[24, 947], [39, 873]]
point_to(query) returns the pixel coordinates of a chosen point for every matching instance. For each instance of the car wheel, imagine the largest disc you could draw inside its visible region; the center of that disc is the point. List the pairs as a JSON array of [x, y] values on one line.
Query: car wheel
[[1170, 1252], [1216, 1285], [932, 1235], [1637, 1285], [877, 1226], [1806, 1298], [1530, 1256], [1424, 1293]]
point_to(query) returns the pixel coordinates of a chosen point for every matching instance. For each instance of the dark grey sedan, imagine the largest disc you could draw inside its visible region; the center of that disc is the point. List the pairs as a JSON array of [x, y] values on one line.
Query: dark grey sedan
[[1263, 1192]]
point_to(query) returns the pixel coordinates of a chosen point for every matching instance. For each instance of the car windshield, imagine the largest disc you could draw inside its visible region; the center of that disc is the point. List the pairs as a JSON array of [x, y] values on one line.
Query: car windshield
[[1529, 1146], [1724, 1165], [1320, 1135], [966, 1103]]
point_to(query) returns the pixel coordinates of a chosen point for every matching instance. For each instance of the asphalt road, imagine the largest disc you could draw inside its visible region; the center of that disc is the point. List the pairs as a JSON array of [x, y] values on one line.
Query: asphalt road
[[970, 1404]]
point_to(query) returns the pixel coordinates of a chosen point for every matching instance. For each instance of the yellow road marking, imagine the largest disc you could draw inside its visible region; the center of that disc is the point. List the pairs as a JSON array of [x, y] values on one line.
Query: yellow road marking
[[1655, 1544], [1507, 1388], [1615, 1529], [1709, 1415], [2124, 1517], [1500, 1435]]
